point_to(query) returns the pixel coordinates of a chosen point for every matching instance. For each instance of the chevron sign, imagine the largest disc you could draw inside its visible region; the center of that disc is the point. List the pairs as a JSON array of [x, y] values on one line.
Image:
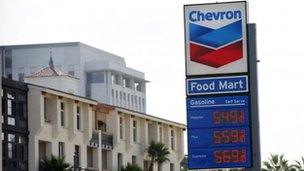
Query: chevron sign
[[216, 38]]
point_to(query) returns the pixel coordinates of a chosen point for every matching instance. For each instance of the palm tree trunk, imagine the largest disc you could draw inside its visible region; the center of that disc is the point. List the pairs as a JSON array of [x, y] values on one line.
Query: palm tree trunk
[[151, 164]]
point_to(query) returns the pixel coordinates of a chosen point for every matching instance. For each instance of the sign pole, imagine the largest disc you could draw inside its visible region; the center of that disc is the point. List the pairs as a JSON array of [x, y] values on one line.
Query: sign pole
[[255, 129]]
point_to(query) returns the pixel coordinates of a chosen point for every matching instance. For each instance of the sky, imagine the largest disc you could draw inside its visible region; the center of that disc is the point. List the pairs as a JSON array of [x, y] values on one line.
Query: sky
[[150, 36]]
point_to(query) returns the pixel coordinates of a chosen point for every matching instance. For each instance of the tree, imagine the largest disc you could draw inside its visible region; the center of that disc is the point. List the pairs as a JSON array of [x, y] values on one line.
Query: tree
[[277, 163], [299, 166], [158, 153], [53, 164], [131, 167]]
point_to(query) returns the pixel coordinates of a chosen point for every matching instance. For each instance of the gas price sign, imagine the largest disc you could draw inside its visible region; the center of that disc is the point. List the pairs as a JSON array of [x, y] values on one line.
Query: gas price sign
[[221, 89], [218, 132]]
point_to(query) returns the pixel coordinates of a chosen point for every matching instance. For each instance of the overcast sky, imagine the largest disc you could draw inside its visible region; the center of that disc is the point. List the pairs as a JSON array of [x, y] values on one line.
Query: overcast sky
[[150, 36]]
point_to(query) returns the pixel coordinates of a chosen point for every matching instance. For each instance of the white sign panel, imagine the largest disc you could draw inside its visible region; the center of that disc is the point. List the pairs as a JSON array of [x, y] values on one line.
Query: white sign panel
[[215, 38]]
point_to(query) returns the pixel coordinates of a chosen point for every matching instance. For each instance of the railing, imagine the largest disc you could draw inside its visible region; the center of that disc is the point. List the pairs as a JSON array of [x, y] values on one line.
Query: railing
[[106, 141], [94, 142]]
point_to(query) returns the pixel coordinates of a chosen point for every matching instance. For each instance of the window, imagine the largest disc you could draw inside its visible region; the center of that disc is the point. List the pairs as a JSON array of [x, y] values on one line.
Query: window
[[8, 63], [11, 106], [112, 92], [71, 70], [10, 103], [102, 126], [126, 82], [78, 117], [22, 106], [119, 161], [11, 147], [139, 103], [77, 156], [44, 109], [172, 140], [138, 86], [114, 79], [143, 102], [120, 97], [62, 113], [61, 150], [134, 161], [128, 97], [95, 77], [134, 130], [160, 129], [121, 127], [172, 167]]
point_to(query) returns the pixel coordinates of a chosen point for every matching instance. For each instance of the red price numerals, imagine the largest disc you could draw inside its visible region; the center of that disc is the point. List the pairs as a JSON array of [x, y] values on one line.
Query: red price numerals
[[230, 116], [229, 136], [230, 156]]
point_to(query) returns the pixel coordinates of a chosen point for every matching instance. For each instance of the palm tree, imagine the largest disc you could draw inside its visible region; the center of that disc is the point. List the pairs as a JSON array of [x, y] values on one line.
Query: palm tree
[[131, 167], [299, 166], [277, 163], [159, 153], [53, 164]]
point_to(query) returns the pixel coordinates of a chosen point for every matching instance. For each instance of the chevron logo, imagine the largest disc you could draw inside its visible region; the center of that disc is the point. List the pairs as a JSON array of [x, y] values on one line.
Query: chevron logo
[[216, 47]]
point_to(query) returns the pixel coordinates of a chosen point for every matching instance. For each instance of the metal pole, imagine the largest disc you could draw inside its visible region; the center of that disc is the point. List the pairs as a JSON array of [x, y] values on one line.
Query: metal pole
[[1, 54], [255, 124]]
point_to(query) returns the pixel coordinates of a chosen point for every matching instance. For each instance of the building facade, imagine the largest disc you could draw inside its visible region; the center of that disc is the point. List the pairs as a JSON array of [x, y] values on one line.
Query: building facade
[[60, 125], [101, 75], [96, 136], [14, 126], [132, 133]]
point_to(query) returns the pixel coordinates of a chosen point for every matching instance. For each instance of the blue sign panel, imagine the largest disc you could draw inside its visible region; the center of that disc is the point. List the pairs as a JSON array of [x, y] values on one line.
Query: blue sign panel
[[203, 158], [223, 117], [202, 138], [217, 102], [217, 85], [218, 132]]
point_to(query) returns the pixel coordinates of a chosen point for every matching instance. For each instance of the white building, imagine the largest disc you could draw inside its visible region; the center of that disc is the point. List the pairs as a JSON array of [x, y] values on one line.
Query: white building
[[101, 75]]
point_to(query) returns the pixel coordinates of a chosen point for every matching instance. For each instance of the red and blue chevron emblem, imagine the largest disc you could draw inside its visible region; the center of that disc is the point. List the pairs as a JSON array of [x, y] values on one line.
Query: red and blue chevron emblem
[[216, 47]]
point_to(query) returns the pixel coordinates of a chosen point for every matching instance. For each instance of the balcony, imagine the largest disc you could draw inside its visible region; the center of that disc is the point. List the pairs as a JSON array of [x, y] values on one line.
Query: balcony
[[94, 142], [106, 141]]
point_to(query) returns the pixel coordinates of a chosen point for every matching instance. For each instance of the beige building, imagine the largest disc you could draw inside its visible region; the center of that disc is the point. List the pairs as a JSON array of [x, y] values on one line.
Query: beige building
[[59, 124], [96, 136], [89, 134], [132, 132]]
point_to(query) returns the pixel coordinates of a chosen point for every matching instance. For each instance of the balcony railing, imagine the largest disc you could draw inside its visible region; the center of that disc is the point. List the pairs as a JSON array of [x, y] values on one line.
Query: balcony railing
[[106, 141], [94, 142]]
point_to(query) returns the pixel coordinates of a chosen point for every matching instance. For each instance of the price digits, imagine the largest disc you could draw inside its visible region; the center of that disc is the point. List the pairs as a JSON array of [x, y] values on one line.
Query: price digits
[[230, 116], [229, 136], [230, 156]]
